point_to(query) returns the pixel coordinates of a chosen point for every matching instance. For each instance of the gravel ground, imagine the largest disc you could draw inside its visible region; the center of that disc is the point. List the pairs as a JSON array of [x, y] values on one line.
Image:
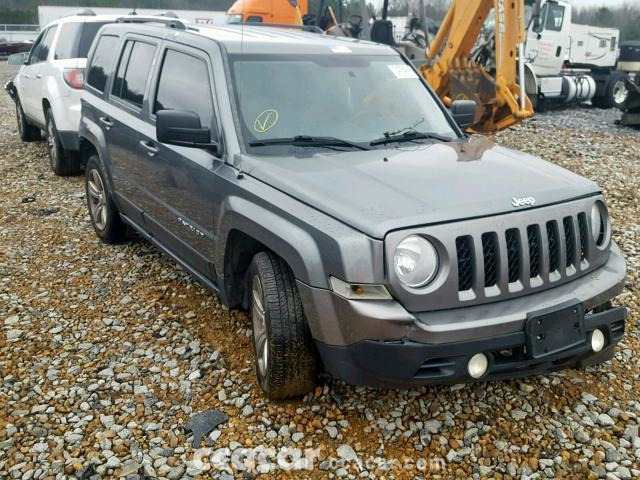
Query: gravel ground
[[106, 352]]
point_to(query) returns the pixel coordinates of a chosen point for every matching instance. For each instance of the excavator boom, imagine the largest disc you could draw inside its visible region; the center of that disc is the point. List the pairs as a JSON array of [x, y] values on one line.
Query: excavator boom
[[450, 72]]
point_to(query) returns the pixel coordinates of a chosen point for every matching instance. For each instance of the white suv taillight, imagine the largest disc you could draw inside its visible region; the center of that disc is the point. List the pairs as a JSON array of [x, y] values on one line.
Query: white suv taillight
[[74, 77]]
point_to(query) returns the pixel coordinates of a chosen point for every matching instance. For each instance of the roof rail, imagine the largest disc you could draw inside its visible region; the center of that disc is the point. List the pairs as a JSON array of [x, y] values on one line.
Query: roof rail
[[304, 28], [84, 12], [165, 20]]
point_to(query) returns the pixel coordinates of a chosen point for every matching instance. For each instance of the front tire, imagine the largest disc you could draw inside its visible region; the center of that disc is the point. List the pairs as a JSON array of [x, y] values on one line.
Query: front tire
[[27, 132], [103, 212], [63, 162], [286, 361]]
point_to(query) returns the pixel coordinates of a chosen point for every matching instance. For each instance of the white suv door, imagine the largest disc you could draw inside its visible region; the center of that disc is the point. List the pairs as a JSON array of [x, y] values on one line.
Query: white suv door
[[31, 81]]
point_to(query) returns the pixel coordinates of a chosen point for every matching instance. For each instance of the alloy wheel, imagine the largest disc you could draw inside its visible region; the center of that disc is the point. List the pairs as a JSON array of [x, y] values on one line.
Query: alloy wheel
[[259, 326], [52, 144], [97, 199], [620, 92]]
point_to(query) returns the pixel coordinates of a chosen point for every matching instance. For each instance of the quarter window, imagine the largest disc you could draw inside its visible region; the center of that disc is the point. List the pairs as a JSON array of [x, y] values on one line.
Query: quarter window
[[175, 92], [101, 62], [75, 39], [133, 71]]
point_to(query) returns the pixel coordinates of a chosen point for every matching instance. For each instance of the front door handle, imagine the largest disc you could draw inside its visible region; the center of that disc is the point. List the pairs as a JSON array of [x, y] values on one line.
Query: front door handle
[[38, 75], [149, 147], [106, 121], [26, 75]]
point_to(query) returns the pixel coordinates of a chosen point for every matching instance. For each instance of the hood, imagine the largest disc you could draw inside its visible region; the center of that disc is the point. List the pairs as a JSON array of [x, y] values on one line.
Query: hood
[[378, 191]]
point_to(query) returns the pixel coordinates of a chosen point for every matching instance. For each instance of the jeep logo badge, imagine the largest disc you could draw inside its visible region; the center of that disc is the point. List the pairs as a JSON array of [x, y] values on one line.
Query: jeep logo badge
[[524, 201]]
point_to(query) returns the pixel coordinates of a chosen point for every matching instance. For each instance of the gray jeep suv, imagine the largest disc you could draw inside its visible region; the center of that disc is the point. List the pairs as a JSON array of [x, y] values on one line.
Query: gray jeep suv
[[320, 183]]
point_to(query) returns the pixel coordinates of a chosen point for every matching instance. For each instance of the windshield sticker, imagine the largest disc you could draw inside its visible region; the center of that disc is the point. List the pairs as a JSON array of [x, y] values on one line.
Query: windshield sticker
[[402, 71], [340, 49], [265, 120]]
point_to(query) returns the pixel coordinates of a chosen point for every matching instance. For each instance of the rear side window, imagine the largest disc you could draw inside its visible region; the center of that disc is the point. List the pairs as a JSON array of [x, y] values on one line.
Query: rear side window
[[75, 39], [101, 62], [177, 93], [133, 71], [41, 50]]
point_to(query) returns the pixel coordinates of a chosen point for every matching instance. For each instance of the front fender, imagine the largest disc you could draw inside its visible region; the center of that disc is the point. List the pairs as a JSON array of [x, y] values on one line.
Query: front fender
[[315, 245], [286, 239]]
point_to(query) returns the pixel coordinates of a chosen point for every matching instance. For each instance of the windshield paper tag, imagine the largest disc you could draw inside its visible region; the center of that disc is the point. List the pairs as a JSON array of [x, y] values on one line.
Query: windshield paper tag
[[402, 71], [340, 49]]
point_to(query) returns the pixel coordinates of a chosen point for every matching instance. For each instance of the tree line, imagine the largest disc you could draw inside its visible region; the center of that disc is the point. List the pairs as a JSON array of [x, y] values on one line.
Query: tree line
[[625, 17]]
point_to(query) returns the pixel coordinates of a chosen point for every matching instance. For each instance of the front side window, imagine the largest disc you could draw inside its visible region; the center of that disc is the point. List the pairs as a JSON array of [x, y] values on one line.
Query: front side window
[[75, 39], [354, 98], [177, 93], [554, 18], [101, 62], [133, 71]]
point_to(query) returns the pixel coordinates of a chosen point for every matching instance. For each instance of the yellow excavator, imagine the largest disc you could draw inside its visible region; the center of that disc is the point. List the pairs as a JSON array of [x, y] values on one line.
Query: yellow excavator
[[454, 76], [446, 63]]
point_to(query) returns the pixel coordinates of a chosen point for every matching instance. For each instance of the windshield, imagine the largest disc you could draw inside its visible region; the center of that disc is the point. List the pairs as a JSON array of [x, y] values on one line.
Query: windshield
[[354, 98]]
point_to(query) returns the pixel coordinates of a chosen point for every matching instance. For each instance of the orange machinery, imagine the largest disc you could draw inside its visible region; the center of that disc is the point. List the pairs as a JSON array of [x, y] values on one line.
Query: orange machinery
[[268, 11]]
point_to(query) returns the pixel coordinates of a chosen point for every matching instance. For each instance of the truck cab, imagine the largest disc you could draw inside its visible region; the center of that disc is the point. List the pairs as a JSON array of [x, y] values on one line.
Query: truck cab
[[568, 62], [269, 11]]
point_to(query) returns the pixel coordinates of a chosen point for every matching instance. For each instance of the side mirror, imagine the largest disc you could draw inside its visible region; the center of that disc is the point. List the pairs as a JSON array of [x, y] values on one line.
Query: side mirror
[[17, 58], [537, 24], [464, 112], [183, 128]]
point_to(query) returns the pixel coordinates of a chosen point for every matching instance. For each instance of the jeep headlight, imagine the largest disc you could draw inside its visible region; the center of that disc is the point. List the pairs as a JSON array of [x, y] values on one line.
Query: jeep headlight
[[599, 223], [415, 261]]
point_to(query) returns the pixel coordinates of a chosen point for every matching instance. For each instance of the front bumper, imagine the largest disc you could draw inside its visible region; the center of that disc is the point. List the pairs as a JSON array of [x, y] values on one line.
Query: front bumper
[[379, 343], [405, 363]]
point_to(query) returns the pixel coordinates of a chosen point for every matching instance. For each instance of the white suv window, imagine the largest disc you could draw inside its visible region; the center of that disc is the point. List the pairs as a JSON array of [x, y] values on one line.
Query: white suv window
[[40, 51], [75, 39]]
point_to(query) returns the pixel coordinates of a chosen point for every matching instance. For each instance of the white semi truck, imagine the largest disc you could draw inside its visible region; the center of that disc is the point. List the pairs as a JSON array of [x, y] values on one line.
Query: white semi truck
[[566, 62]]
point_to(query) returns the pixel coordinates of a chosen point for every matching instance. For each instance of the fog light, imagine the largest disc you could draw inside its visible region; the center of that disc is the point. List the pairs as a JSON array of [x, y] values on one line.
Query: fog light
[[597, 340], [477, 366]]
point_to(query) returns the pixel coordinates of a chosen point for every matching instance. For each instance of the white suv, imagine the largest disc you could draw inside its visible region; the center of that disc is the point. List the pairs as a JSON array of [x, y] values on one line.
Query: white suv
[[48, 87]]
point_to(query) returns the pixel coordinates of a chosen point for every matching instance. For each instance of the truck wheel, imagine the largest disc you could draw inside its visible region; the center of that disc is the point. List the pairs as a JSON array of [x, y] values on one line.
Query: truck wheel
[[63, 163], [615, 93], [27, 132], [285, 354], [104, 214]]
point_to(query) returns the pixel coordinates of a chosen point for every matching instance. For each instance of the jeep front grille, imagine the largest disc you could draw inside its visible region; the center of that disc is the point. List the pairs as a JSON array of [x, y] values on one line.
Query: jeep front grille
[[544, 253], [499, 257]]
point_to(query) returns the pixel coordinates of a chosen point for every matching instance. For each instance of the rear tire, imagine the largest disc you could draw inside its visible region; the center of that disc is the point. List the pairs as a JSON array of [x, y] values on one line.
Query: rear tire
[[103, 212], [615, 92], [27, 132], [286, 361], [63, 162]]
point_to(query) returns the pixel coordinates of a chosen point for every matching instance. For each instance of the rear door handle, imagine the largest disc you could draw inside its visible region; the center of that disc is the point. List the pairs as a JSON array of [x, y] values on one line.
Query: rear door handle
[[149, 147], [106, 121], [38, 75]]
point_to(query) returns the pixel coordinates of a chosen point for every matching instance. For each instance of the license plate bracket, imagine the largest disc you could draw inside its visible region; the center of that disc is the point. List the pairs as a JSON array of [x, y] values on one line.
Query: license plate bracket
[[550, 332]]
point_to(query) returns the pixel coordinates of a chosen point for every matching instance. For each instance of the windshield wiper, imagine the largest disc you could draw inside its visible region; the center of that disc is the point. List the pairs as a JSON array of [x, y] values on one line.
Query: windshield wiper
[[308, 141], [408, 136]]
